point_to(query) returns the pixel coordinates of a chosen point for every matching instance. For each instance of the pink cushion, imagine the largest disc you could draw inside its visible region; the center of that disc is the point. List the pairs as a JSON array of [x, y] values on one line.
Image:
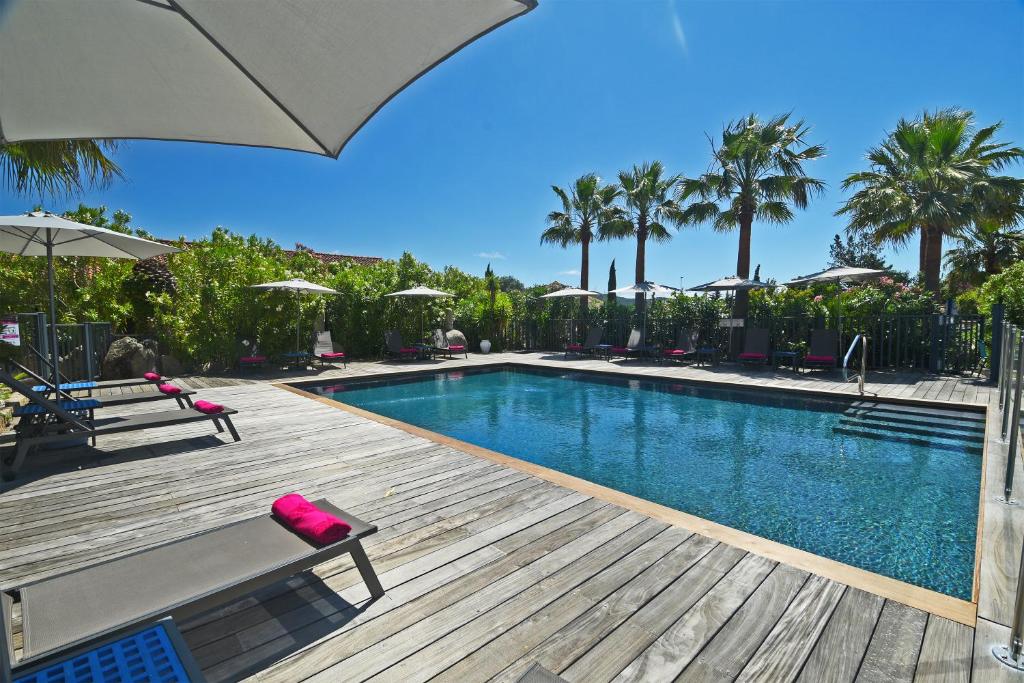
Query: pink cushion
[[821, 359], [208, 407], [169, 389], [574, 347], [752, 356], [253, 359], [620, 349], [152, 376], [333, 354], [673, 352], [306, 519], [408, 350], [456, 347]]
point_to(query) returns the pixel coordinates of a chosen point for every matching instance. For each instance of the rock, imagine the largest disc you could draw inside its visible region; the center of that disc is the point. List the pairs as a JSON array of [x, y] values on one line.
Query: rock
[[456, 338], [171, 366], [128, 357]]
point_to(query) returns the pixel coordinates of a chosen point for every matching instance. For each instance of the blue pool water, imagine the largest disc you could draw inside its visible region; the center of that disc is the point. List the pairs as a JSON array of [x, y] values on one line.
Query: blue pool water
[[891, 489]]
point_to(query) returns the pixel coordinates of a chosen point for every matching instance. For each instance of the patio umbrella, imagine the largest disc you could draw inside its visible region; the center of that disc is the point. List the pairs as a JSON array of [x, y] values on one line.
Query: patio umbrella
[[299, 286], [571, 292], [41, 233], [729, 284], [303, 75], [839, 276], [424, 293], [647, 287]]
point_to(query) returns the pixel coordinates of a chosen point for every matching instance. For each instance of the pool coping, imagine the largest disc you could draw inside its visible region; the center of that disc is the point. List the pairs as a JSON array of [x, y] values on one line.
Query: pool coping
[[942, 605]]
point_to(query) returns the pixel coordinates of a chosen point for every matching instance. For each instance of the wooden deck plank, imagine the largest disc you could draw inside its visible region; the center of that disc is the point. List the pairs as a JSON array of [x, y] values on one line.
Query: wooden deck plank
[[946, 652], [840, 650], [894, 648]]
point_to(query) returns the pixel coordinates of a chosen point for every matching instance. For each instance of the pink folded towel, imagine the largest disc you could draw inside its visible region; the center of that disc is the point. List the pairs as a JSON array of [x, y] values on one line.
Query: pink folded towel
[[456, 347], [208, 407], [333, 354], [304, 518], [820, 359], [752, 356], [574, 347], [152, 376], [253, 359], [169, 389], [620, 349]]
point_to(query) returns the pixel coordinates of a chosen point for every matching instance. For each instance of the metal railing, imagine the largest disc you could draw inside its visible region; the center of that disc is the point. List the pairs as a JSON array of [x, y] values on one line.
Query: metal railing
[[81, 346], [1010, 383], [863, 341]]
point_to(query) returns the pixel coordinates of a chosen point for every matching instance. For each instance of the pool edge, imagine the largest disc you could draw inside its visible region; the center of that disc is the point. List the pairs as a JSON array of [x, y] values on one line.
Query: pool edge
[[933, 602]]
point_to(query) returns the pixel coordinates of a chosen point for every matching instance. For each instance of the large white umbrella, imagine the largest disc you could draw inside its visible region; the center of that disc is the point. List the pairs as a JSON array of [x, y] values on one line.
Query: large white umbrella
[[303, 75], [423, 293], [732, 283], [842, 274], [41, 233], [570, 292], [299, 286], [647, 287]]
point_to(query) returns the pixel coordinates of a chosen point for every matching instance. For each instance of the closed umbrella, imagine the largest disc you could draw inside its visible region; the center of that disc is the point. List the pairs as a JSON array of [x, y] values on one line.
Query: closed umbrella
[[423, 293], [299, 286], [303, 75], [41, 233]]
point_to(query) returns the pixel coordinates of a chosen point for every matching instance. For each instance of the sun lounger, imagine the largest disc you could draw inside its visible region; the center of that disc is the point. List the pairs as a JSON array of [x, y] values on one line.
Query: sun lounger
[[87, 386], [684, 348], [634, 347], [178, 579], [63, 425], [393, 347], [443, 348], [588, 346], [824, 347], [324, 351], [755, 346]]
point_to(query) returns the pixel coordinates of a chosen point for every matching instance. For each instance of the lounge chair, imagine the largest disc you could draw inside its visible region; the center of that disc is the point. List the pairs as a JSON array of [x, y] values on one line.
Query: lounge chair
[[443, 348], [324, 351], [755, 346], [56, 423], [587, 347], [393, 347], [178, 579], [684, 348], [824, 346], [634, 347], [88, 386]]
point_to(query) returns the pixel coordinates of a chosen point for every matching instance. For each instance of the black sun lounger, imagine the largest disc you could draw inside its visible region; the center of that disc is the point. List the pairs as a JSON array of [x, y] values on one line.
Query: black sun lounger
[[178, 580], [77, 424]]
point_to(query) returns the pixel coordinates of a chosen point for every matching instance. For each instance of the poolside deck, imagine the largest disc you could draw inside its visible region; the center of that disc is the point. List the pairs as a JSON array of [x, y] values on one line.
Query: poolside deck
[[488, 568]]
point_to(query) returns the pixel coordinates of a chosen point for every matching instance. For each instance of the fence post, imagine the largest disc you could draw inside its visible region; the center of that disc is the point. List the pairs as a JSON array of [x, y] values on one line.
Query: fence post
[[995, 353], [87, 349], [933, 356], [1011, 451], [1008, 381]]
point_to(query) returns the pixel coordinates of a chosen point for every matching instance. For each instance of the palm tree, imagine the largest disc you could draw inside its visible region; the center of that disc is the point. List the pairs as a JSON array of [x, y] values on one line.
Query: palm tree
[[647, 207], [933, 176], [983, 249], [757, 173], [585, 208], [57, 167]]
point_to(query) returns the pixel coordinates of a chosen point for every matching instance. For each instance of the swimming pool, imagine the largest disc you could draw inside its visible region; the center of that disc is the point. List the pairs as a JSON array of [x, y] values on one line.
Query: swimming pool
[[886, 487]]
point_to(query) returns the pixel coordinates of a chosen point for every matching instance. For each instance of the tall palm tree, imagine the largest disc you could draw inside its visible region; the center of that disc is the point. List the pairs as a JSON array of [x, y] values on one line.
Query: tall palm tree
[[57, 167], [648, 207], [981, 250], [932, 176], [585, 208], [757, 172]]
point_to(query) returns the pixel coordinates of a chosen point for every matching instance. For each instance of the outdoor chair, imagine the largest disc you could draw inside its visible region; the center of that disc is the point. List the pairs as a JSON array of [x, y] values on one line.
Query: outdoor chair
[[589, 346], [756, 348], [684, 348], [634, 347], [443, 348], [88, 386], [324, 351], [52, 423], [393, 347], [178, 579], [823, 350]]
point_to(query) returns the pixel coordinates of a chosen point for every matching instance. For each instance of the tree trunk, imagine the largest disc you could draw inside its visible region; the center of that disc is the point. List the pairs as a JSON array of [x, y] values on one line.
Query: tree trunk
[[641, 257], [922, 256], [585, 269], [933, 264], [743, 263]]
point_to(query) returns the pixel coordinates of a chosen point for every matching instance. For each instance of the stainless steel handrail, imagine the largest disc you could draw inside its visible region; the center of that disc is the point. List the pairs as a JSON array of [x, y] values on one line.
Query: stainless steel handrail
[[860, 338]]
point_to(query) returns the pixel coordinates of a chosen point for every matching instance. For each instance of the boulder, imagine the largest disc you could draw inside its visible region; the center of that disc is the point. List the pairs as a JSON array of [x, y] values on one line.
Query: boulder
[[128, 357], [171, 366], [456, 338]]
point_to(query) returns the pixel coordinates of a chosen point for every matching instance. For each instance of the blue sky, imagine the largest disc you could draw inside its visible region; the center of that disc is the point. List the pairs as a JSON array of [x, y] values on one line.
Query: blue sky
[[458, 168]]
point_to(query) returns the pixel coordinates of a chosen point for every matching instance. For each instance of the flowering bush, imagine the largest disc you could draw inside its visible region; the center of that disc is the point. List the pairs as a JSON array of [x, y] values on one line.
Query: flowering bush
[[1006, 287]]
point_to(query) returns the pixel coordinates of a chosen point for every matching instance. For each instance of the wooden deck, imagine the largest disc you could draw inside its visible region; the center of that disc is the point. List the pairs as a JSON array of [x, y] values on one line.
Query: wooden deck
[[487, 568]]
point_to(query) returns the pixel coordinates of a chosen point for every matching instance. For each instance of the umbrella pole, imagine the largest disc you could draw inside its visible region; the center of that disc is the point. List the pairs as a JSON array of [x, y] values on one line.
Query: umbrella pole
[[298, 320], [54, 352]]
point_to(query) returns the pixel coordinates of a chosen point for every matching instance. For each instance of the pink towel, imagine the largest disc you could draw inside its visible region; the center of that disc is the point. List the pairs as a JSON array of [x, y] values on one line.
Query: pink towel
[[169, 389], [208, 407], [306, 519], [152, 376], [820, 359]]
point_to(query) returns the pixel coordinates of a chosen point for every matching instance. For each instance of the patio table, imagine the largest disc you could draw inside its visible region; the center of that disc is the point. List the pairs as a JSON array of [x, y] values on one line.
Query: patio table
[[782, 357], [296, 359]]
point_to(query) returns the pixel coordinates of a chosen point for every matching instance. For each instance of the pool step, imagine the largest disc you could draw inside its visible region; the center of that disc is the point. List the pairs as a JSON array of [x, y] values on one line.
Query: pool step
[[952, 430]]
